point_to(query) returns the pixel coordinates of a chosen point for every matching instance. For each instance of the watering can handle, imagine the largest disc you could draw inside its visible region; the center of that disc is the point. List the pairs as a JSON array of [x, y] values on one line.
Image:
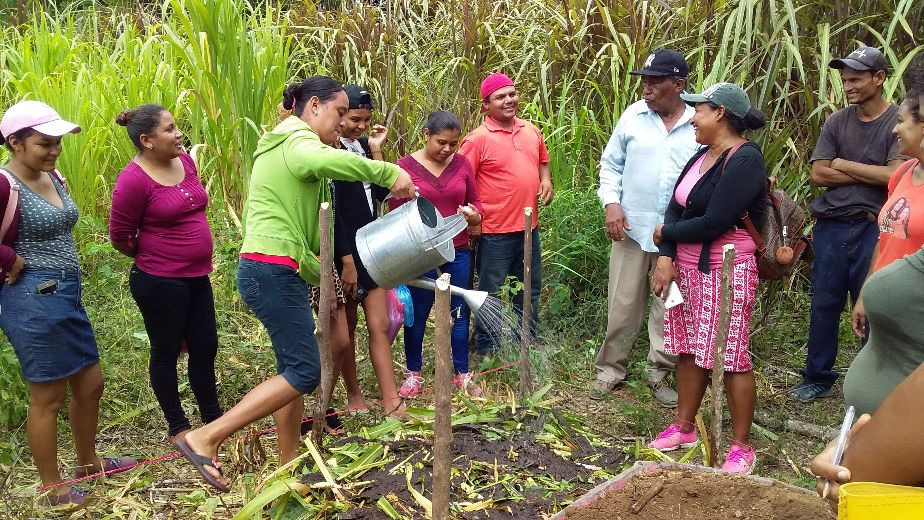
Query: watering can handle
[[390, 196], [447, 228]]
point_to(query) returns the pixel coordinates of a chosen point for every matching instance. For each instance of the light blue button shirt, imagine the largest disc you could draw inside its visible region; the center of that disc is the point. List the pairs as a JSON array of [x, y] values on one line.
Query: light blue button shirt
[[640, 166]]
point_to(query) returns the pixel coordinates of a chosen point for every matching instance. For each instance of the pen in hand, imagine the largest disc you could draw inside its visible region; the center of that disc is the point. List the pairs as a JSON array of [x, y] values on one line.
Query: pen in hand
[[841, 442]]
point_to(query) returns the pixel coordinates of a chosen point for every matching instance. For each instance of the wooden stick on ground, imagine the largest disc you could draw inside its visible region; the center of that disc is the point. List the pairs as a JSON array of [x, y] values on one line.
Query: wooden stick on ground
[[442, 424], [323, 325], [526, 334], [718, 358]]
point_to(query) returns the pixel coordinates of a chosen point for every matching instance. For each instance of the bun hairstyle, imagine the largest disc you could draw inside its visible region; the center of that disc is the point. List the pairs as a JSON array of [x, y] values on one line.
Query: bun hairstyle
[[296, 95], [140, 120], [442, 120], [753, 120]]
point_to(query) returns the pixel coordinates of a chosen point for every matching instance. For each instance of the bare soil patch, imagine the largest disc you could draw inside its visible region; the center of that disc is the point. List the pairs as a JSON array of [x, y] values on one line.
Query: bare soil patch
[[687, 495]]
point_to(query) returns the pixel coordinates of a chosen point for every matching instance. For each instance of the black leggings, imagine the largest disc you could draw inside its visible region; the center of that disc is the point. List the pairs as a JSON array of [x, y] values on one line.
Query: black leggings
[[177, 310]]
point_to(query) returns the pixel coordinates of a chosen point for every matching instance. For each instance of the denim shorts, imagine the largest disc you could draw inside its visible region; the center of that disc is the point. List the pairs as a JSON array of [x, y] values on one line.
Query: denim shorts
[[50, 333], [279, 299]]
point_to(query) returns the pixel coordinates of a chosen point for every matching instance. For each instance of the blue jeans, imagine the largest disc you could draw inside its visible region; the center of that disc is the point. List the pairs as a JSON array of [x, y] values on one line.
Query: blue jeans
[[842, 256], [501, 255], [279, 299], [458, 271], [50, 331]]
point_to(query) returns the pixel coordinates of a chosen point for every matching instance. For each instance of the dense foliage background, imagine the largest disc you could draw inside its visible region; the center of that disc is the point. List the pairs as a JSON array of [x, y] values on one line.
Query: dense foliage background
[[220, 66]]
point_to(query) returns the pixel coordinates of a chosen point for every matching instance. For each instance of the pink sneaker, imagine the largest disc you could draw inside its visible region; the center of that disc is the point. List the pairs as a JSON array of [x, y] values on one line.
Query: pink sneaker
[[411, 386], [466, 382], [740, 460], [672, 438]]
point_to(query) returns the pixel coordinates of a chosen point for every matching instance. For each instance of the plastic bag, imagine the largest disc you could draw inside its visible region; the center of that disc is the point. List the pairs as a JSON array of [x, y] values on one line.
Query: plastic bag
[[395, 314], [400, 310], [404, 294]]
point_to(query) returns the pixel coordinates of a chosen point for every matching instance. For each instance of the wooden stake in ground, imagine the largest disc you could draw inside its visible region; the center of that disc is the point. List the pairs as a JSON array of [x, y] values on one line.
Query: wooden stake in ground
[[718, 358], [526, 334], [442, 424], [323, 325]]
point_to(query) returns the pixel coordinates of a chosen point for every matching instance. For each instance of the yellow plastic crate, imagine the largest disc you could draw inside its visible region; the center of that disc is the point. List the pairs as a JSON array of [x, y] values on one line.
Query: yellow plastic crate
[[872, 501]]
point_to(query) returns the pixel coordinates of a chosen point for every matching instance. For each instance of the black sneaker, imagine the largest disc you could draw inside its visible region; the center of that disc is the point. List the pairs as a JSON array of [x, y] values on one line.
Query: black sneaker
[[808, 392]]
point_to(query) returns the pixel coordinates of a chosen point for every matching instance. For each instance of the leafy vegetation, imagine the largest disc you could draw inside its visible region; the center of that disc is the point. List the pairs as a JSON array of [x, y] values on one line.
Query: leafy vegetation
[[220, 66]]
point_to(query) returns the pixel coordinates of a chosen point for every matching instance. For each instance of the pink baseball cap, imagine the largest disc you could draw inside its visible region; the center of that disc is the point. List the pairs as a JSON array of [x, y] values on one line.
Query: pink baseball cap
[[37, 116], [494, 82]]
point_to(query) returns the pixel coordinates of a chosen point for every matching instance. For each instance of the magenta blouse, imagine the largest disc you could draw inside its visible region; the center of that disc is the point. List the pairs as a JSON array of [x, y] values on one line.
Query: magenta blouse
[[453, 188], [167, 224]]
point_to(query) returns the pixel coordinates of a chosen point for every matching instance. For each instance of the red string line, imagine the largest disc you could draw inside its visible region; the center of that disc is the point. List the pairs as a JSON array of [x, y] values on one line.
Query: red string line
[[176, 454]]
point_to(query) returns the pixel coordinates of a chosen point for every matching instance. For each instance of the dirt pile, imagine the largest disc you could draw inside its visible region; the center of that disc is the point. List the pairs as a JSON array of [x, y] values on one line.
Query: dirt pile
[[522, 478], [686, 495]]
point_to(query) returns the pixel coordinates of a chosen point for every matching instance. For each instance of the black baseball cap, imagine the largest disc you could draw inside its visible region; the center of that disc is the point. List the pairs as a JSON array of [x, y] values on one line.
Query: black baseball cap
[[864, 58], [664, 62], [358, 96]]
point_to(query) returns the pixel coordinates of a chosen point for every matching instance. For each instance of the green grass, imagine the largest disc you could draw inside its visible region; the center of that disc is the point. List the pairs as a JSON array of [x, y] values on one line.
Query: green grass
[[220, 65]]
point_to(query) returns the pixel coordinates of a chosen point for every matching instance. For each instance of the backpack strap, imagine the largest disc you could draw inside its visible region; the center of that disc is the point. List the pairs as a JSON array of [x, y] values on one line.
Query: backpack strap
[[60, 176], [11, 203], [748, 223]]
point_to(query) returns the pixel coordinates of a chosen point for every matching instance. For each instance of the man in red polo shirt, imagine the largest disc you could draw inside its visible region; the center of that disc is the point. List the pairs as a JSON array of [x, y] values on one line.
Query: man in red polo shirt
[[511, 166]]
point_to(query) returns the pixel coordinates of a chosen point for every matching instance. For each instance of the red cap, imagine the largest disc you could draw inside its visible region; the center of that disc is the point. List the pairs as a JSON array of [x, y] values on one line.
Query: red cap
[[494, 82]]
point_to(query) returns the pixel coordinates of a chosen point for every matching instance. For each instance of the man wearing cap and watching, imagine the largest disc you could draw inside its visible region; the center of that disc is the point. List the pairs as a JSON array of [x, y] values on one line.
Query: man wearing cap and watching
[[855, 155], [511, 164], [652, 142]]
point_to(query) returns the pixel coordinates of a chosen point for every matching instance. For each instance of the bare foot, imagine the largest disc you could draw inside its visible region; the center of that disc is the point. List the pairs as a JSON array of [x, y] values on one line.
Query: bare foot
[[395, 408], [356, 402]]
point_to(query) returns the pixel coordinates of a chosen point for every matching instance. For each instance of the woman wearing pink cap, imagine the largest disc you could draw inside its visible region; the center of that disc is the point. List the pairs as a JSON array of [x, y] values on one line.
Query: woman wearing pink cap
[[40, 307]]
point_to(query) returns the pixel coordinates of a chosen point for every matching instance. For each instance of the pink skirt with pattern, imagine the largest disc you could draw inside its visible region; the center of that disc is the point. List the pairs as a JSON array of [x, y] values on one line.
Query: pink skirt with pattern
[[690, 328]]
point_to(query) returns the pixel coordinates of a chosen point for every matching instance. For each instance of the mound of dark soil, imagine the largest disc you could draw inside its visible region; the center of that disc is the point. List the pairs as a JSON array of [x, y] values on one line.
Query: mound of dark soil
[[687, 495], [521, 455]]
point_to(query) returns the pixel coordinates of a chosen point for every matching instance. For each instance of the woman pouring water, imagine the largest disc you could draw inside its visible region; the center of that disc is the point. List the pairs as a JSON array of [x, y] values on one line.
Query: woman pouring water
[[279, 259], [447, 180]]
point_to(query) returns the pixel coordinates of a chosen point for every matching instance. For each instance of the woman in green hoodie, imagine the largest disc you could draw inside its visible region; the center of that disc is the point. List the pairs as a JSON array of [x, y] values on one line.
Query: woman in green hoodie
[[279, 259]]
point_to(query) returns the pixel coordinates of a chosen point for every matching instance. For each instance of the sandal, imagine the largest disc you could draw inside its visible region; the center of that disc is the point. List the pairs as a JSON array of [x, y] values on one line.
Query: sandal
[[75, 500], [200, 462], [109, 465]]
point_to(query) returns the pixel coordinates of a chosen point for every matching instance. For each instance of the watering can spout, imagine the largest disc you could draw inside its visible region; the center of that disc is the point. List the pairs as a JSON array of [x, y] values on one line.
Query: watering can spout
[[474, 299]]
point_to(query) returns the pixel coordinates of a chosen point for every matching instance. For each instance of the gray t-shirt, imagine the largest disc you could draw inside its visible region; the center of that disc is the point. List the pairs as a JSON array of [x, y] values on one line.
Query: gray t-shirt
[[845, 136], [44, 238]]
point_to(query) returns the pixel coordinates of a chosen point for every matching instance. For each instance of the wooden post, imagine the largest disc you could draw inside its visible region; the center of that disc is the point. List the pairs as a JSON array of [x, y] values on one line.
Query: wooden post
[[323, 325], [442, 423], [718, 358], [526, 334]]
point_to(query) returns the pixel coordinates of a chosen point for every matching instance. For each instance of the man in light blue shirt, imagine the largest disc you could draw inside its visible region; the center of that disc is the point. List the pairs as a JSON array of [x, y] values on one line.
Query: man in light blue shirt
[[652, 142]]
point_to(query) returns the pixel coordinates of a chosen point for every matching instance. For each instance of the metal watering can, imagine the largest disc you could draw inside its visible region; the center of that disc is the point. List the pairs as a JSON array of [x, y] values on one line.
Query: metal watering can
[[407, 242], [474, 299]]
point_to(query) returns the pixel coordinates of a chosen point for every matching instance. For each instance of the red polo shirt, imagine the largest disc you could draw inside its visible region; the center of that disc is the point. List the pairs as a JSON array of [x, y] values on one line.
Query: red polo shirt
[[506, 165]]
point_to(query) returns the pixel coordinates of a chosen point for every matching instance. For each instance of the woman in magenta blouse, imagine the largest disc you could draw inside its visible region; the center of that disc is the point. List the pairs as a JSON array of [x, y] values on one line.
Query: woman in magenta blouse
[[158, 218], [446, 179]]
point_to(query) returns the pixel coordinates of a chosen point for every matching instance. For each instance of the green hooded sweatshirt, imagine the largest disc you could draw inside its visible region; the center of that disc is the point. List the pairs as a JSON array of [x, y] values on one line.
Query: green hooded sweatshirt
[[288, 185]]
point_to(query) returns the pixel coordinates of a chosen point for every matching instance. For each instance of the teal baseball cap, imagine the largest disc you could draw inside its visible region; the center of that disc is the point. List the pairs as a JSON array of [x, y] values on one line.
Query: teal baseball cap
[[727, 95]]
